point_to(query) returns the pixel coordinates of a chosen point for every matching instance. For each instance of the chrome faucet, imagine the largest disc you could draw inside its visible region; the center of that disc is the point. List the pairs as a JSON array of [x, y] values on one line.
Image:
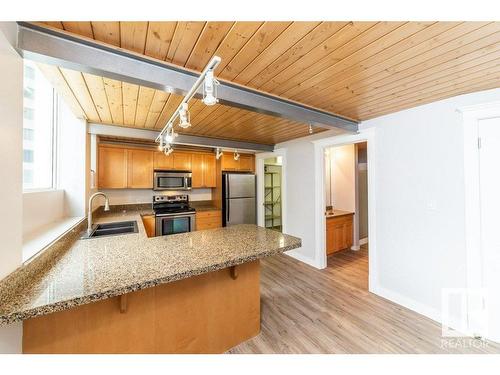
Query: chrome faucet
[[89, 216]]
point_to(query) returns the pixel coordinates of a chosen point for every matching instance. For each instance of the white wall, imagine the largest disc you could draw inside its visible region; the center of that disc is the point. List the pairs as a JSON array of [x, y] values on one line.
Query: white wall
[[341, 177], [40, 208], [419, 200], [72, 160], [11, 126], [300, 195]]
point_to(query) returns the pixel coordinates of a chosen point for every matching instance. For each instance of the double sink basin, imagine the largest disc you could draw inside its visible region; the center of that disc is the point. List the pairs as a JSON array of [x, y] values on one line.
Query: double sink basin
[[113, 229]]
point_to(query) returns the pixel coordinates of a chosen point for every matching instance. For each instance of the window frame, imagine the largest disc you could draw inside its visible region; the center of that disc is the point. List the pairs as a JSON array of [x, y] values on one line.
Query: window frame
[[54, 143]]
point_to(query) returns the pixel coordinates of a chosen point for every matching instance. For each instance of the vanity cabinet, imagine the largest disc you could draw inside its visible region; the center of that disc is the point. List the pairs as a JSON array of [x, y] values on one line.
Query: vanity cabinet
[[339, 233]]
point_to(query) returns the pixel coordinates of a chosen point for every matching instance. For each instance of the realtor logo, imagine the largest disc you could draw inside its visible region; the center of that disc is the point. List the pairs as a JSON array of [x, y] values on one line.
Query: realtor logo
[[464, 317]]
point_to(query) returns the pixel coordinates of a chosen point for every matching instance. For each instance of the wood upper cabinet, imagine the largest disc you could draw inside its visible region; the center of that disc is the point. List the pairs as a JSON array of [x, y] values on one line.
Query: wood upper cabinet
[[133, 168], [244, 164], [203, 169], [162, 161], [228, 163], [140, 169], [112, 172], [338, 233], [182, 161], [209, 171], [175, 161], [247, 163], [197, 171]]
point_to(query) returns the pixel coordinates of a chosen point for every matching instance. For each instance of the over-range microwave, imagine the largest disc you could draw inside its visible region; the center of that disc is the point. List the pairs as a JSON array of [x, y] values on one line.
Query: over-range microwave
[[171, 180]]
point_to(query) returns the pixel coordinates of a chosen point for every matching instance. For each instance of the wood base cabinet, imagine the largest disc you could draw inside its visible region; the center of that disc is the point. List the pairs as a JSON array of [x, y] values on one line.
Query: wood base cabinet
[[208, 313], [338, 233], [208, 219], [149, 222]]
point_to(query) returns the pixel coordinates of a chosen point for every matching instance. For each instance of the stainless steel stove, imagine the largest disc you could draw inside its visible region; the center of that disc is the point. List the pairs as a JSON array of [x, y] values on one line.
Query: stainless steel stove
[[173, 214]]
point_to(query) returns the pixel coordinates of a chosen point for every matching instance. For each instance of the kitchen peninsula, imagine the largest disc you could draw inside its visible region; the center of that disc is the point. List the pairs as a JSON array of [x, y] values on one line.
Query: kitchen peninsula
[[195, 292]]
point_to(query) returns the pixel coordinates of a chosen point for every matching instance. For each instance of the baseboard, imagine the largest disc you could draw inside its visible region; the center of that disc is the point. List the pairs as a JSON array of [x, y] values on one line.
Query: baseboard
[[304, 259], [363, 241], [409, 303]]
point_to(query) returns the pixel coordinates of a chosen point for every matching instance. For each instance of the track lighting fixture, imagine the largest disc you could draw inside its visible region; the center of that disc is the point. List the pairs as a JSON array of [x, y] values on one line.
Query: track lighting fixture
[[310, 129], [168, 150], [218, 153], [162, 144], [209, 83], [170, 135], [236, 156], [210, 89], [184, 116]]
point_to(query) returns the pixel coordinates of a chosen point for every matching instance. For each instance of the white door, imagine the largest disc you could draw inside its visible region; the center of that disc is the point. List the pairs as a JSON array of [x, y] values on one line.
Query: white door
[[489, 177]]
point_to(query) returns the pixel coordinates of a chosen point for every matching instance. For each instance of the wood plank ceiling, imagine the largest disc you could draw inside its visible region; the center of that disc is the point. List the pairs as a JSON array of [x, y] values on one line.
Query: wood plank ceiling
[[359, 70]]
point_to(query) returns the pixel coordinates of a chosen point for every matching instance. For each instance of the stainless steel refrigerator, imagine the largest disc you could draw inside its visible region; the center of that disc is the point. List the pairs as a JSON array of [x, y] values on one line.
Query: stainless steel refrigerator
[[238, 199]]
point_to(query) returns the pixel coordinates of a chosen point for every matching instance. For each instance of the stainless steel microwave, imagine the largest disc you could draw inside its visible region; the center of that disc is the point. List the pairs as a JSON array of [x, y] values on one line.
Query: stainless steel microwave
[[171, 180]]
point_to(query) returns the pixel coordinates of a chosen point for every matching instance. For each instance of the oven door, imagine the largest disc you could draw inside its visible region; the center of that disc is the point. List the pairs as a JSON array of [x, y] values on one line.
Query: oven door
[[171, 181], [175, 223]]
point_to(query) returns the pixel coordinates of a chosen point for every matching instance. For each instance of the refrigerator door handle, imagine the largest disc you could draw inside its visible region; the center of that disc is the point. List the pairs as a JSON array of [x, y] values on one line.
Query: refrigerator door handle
[[228, 203]]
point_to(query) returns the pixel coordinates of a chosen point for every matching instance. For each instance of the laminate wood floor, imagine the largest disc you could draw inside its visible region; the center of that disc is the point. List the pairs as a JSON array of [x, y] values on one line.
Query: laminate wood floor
[[305, 310]]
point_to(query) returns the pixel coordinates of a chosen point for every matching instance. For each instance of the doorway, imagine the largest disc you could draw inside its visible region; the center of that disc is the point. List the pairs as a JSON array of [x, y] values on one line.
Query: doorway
[[270, 168], [273, 177], [346, 210]]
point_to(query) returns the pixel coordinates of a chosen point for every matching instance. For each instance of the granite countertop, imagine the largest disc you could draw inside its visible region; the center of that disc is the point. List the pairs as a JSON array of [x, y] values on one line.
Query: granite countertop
[[77, 272], [337, 213]]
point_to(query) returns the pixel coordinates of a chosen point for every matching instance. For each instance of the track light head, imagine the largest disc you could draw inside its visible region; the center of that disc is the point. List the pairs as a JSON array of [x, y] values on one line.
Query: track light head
[[184, 117], [236, 156], [218, 153], [210, 89], [310, 129]]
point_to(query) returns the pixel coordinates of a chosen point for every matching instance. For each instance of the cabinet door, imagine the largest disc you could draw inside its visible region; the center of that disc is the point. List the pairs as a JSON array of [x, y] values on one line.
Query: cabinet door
[[329, 238], [149, 225], [208, 220], [338, 236], [228, 163], [246, 163], [197, 171], [348, 232], [140, 169], [112, 173], [182, 161], [209, 171], [162, 161]]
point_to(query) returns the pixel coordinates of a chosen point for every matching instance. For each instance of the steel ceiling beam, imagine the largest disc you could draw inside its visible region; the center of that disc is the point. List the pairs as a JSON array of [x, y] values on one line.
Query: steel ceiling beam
[[58, 48], [182, 139]]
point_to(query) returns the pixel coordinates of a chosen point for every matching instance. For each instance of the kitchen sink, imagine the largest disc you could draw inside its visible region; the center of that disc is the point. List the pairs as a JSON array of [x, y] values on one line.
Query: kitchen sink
[[113, 229]]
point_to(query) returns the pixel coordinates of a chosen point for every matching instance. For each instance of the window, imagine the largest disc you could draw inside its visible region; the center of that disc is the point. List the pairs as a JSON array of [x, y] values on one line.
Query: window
[[27, 156], [28, 134], [38, 130]]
